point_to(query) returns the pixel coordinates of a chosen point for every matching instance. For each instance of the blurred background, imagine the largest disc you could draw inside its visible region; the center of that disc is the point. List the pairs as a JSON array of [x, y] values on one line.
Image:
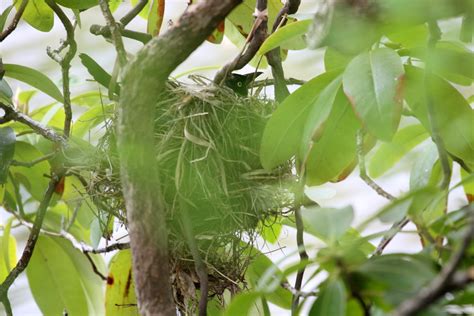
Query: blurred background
[[27, 46]]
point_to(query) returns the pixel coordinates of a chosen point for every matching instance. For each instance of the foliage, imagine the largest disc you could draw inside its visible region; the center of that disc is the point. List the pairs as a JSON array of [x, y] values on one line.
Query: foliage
[[233, 168]]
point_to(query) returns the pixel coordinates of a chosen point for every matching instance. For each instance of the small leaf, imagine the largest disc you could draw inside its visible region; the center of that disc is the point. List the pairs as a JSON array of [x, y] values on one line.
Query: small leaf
[[328, 224], [423, 167], [331, 300], [34, 78], [7, 151], [78, 4], [218, 34], [373, 82], [7, 251], [389, 153], [6, 92], [38, 14], [284, 130], [284, 35], [97, 72], [120, 297], [61, 278], [4, 16], [155, 17]]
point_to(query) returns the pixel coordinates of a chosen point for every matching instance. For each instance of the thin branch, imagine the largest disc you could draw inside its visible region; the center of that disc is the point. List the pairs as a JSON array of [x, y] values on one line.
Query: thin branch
[[10, 28], [30, 164], [65, 62], [363, 172], [394, 230], [446, 279], [109, 248], [435, 35], [94, 267], [127, 18], [32, 238], [12, 115], [114, 31], [303, 257], [254, 40], [271, 82]]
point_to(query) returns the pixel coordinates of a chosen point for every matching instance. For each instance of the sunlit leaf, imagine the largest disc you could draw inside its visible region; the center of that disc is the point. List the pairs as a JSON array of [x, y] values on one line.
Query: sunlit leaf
[[61, 278], [34, 78], [91, 118], [38, 14], [373, 82], [284, 35], [120, 297], [284, 129], [334, 59], [4, 16], [78, 4], [155, 17], [389, 153]]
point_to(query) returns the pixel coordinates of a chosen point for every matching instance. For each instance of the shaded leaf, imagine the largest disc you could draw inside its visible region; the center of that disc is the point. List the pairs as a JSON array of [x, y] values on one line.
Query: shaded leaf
[[34, 78], [6, 92], [7, 150], [97, 72], [91, 118], [4, 16], [7, 251], [334, 59], [328, 224], [242, 304], [389, 153], [372, 81], [331, 300]]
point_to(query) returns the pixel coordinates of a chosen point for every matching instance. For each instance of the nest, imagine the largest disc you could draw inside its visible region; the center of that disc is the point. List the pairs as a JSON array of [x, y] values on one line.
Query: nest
[[207, 149]]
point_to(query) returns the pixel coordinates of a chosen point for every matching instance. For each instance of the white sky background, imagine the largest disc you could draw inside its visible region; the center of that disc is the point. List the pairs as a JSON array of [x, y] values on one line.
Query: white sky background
[[27, 46]]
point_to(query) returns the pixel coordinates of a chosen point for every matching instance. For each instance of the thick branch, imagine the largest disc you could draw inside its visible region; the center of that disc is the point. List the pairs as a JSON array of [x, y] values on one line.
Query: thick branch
[[10, 28], [447, 280], [148, 71]]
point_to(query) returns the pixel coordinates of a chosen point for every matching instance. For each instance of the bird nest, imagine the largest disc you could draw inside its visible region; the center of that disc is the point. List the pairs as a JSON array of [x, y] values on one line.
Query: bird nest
[[207, 143]]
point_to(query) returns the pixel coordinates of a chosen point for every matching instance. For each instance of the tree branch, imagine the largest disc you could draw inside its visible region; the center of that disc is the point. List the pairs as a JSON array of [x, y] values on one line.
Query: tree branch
[[148, 71], [109, 248], [114, 31], [10, 28], [30, 164], [447, 280], [12, 115], [127, 18]]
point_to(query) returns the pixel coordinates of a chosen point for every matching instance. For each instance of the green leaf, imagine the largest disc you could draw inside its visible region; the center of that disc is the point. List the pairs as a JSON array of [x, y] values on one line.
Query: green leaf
[[6, 92], [410, 36], [284, 35], [317, 117], [394, 277], [78, 4], [33, 178], [91, 118], [120, 291], [372, 82], [34, 78], [389, 153], [242, 304], [61, 278], [423, 167], [334, 59], [270, 230], [7, 251], [144, 12], [468, 186], [155, 17], [454, 115], [38, 14], [284, 130], [97, 72], [333, 154], [7, 151], [331, 300], [90, 99], [328, 224], [4, 16]]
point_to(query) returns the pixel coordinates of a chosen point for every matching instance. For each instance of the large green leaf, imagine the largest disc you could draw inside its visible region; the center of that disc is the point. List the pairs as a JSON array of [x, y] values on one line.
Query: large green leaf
[[284, 130], [38, 14], [7, 150], [120, 292], [328, 224], [287, 34], [333, 153], [454, 116], [33, 178], [331, 300], [389, 153], [34, 78], [61, 278], [78, 4], [373, 82]]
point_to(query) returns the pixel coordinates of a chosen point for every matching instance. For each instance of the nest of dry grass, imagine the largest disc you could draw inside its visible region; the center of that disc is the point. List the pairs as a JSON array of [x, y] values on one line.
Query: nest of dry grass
[[207, 153]]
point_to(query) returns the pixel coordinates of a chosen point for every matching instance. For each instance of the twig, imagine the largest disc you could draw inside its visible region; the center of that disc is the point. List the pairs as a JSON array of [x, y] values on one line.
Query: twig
[[32, 239], [94, 267], [109, 248], [12, 115], [254, 40], [65, 62], [271, 82], [105, 32], [133, 12], [435, 35], [8, 307], [363, 172], [296, 293], [303, 257], [30, 164], [446, 280], [114, 31], [394, 230], [10, 28]]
